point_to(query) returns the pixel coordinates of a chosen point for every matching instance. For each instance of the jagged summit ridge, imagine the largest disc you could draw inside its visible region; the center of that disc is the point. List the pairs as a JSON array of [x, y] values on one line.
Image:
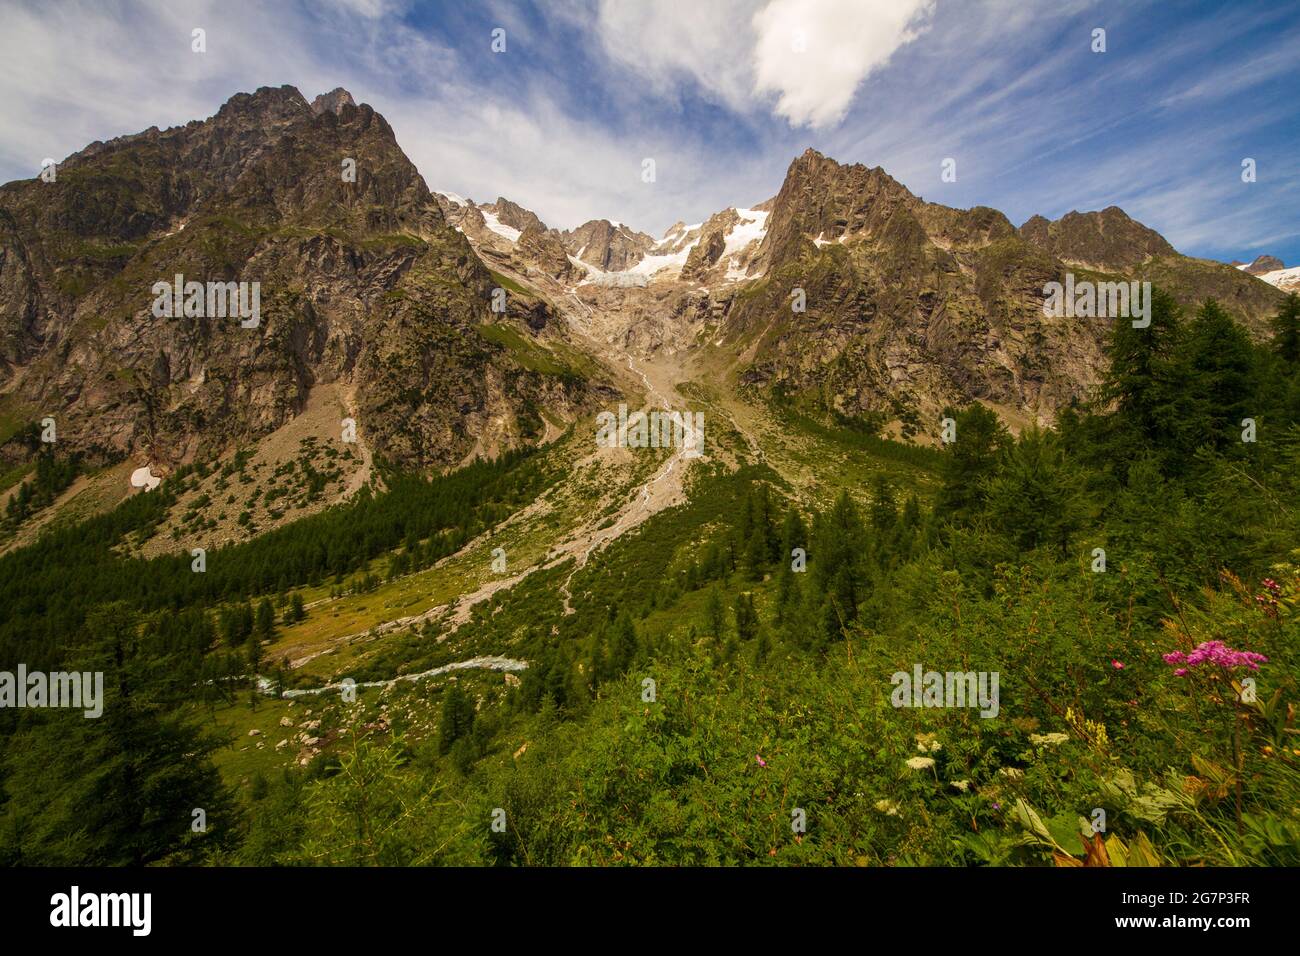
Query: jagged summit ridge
[[333, 101], [362, 286]]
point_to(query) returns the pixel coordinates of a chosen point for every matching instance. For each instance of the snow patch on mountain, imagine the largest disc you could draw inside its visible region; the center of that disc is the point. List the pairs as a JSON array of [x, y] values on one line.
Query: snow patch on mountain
[[751, 228], [668, 256], [651, 263], [1288, 280], [674, 238], [500, 228]]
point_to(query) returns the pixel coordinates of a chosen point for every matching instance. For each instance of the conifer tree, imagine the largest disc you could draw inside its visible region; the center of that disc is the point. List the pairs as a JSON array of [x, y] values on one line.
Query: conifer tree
[[1038, 498], [254, 650], [119, 789], [756, 554], [968, 461], [884, 512], [623, 645], [457, 717], [793, 535], [787, 592], [746, 618], [714, 613], [1145, 385], [1222, 378], [265, 624], [1286, 330]]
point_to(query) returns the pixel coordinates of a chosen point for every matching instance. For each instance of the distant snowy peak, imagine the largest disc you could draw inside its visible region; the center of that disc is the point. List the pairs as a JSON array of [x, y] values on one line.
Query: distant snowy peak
[[1272, 270], [720, 249], [514, 216], [606, 246], [1261, 265], [726, 246], [679, 238], [743, 240], [502, 218]]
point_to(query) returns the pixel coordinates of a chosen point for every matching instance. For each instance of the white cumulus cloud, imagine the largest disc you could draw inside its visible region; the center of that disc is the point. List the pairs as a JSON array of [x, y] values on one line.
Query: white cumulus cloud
[[803, 59], [813, 54]]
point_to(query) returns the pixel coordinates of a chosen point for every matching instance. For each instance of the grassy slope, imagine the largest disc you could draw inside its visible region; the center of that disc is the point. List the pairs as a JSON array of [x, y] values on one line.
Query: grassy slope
[[822, 460]]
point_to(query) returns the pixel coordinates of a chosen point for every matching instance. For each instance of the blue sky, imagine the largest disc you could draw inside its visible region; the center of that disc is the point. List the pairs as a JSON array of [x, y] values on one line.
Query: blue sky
[[722, 94]]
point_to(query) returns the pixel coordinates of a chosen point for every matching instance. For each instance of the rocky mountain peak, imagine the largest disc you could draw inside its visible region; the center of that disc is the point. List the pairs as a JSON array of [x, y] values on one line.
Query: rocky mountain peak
[[824, 201], [1272, 270], [514, 215], [1109, 239], [333, 101], [274, 103], [608, 246], [1261, 265], [362, 285]]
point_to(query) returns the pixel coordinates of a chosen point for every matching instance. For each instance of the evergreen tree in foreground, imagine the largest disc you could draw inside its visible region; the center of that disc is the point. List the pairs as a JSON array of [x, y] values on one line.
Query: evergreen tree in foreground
[[122, 788], [1037, 498], [1286, 330], [968, 461]]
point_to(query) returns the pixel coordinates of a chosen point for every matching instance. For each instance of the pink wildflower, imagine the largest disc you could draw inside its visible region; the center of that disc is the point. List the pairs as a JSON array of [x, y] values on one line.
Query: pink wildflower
[[1214, 652], [1118, 665], [761, 761]]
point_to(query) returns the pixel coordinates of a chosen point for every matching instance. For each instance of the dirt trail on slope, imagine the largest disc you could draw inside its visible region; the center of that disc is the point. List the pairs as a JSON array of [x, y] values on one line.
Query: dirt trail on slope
[[362, 475], [663, 490]]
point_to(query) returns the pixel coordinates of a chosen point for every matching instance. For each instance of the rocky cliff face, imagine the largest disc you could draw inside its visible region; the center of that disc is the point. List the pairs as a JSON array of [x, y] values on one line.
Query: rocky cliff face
[[1261, 265], [515, 216], [361, 281], [1108, 240], [507, 235], [909, 306], [541, 247], [333, 101], [608, 247], [847, 291], [1112, 244], [706, 252]]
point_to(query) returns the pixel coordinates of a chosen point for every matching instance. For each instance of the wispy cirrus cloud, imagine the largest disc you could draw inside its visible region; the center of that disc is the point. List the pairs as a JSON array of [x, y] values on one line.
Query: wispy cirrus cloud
[[722, 94]]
